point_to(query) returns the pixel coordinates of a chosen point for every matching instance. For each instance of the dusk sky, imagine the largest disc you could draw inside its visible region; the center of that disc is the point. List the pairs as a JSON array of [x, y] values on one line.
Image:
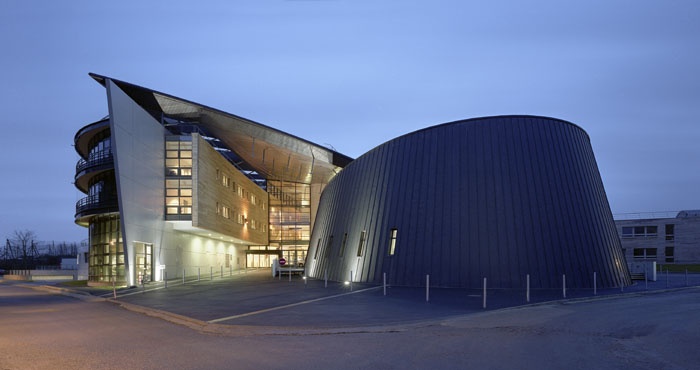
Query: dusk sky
[[353, 74]]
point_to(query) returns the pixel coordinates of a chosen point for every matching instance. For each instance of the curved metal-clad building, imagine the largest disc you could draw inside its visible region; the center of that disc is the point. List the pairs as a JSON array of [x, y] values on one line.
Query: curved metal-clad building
[[496, 197]]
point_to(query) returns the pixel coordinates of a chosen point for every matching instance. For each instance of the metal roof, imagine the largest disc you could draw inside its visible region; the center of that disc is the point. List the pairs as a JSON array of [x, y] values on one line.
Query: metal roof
[[274, 154]]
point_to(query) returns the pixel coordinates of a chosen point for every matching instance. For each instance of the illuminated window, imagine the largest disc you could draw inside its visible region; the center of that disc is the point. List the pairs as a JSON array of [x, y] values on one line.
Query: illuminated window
[[178, 183], [361, 246], [392, 242]]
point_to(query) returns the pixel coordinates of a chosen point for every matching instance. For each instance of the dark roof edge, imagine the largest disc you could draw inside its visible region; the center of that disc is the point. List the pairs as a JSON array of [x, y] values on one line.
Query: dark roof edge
[[342, 158], [498, 116]]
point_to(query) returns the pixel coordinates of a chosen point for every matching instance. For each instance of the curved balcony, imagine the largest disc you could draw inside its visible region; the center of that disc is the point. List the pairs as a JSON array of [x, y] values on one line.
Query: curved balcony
[[83, 136], [96, 163], [94, 205]]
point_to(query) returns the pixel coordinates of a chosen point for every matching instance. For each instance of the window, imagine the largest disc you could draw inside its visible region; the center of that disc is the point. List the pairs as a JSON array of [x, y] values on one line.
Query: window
[[178, 183], [639, 231], [225, 181], [318, 248], [361, 245], [670, 231], [392, 242], [644, 253], [669, 254], [627, 232], [342, 245], [329, 247], [178, 197]]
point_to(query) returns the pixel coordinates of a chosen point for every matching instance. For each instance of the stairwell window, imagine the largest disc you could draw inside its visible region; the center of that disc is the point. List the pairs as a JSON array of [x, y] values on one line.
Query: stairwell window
[[342, 245], [361, 246], [392, 241]]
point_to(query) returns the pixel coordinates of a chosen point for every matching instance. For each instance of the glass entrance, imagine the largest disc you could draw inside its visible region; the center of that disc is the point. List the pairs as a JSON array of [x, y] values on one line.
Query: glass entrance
[[143, 254]]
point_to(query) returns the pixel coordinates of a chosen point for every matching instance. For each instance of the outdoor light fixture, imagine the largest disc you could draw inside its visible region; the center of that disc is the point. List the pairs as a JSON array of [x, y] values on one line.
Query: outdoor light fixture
[[347, 283]]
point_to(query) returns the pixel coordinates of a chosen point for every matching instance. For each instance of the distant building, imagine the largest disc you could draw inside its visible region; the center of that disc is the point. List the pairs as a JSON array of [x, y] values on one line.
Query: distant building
[[661, 238]]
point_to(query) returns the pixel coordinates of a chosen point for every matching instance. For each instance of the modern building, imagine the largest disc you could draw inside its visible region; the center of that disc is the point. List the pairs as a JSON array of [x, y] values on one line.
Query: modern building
[[507, 198], [174, 187], [664, 238]]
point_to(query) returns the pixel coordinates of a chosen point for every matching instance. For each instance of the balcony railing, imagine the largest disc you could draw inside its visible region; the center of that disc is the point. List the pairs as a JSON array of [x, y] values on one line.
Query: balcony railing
[[95, 204], [96, 159]]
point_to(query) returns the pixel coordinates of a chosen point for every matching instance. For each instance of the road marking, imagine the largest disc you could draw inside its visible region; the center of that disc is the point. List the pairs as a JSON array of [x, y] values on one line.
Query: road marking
[[288, 305]]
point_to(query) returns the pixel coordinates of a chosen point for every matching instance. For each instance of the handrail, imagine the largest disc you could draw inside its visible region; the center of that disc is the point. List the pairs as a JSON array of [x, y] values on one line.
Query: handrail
[[94, 202], [95, 159], [644, 215]]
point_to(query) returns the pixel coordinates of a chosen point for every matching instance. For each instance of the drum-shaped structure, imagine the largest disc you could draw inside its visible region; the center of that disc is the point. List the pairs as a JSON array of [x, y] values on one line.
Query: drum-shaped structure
[[507, 198]]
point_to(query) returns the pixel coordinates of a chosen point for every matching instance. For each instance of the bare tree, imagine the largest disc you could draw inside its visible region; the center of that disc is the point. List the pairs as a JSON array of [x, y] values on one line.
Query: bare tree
[[23, 244]]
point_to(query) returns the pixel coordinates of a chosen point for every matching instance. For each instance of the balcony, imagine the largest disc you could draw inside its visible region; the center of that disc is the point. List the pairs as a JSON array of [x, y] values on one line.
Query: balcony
[[94, 205], [96, 163]]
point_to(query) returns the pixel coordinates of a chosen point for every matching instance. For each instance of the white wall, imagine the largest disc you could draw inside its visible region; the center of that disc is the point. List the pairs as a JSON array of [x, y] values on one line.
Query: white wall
[[138, 147]]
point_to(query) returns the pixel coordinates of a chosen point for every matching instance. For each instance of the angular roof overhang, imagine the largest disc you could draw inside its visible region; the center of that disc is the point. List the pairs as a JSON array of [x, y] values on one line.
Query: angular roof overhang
[[274, 154]]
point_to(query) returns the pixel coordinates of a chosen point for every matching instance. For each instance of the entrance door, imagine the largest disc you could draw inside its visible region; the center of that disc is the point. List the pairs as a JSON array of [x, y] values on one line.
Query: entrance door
[[260, 258], [143, 252]]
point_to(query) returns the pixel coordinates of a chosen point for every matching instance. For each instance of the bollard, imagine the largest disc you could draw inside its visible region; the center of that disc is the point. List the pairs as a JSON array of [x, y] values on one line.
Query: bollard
[[563, 284], [351, 281], [325, 278], [595, 284], [211, 273], [230, 270], [484, 294], [290, 274], [199, 273], [646, 280], [114, 286], [165, 278], [527, 288], [221, 275], [183, 276], [427, 288], [384, 281]]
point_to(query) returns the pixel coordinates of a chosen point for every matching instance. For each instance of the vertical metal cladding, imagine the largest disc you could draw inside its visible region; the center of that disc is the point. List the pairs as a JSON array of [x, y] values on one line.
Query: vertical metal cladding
[[497, 197]]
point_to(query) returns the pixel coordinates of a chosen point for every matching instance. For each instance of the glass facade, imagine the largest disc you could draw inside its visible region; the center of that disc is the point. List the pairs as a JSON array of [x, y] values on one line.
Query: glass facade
[[106, 251], [290, 219]]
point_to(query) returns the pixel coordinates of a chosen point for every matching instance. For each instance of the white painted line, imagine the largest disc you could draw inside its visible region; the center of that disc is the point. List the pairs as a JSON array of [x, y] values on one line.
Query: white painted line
[[287, 306]]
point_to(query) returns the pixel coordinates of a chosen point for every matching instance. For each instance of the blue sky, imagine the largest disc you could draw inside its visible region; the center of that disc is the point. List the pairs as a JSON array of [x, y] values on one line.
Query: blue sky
[[354, 74]]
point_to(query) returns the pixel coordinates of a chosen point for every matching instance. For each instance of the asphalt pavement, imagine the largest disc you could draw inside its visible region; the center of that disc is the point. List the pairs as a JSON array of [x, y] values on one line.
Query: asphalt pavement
[[253, 298]]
